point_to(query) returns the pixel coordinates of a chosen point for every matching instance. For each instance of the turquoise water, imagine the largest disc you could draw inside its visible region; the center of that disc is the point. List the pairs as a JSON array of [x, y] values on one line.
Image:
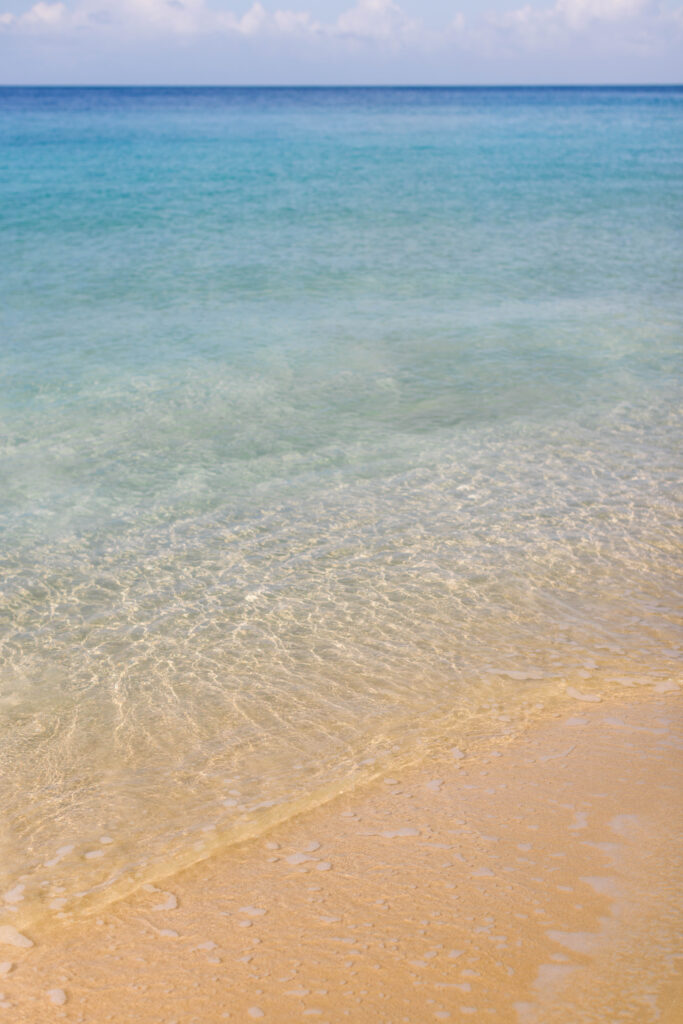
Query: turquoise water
[[333, 423]]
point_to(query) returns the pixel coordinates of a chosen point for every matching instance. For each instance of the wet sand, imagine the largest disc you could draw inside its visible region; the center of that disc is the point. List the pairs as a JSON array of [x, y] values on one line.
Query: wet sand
[[536, 880]]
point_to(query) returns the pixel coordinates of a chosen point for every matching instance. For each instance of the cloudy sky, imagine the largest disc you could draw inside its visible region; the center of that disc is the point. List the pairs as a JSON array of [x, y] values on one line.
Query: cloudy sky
[[340, 41]]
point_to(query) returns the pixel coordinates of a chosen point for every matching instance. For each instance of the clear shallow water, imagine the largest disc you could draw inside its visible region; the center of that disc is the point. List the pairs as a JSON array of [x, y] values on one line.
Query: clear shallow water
[[332, 422]]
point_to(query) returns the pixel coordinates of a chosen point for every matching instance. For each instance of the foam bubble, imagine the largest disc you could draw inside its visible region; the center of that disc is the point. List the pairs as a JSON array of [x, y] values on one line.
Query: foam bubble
[[14, 895], [170, 903], [9, 936], [587, 698]]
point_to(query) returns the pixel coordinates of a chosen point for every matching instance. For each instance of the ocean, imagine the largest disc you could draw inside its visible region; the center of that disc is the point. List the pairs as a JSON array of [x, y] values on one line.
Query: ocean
[[336, 425]]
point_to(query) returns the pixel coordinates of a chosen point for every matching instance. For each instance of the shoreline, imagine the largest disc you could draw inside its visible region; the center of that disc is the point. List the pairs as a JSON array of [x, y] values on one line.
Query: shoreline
[[534, 881]]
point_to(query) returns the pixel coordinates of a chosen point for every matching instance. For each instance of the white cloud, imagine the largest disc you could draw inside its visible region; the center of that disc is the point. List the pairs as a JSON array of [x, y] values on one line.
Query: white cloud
[[543, 25], [373, 19], [41, 15], [289, 22], [572, 14], [368, 19], [170, 16], [626, 25], [580, 12], [46, 14], [253, 21]]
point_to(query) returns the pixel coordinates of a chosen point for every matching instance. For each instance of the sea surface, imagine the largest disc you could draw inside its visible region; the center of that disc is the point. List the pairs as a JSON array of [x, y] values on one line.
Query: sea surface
[[335, 425]]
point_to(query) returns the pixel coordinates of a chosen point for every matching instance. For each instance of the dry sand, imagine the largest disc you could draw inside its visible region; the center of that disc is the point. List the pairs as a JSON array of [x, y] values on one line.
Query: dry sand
[[537, 882]]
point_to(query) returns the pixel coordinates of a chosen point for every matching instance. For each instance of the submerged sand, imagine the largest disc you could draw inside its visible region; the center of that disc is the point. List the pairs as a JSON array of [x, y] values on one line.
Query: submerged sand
[[537, 880]]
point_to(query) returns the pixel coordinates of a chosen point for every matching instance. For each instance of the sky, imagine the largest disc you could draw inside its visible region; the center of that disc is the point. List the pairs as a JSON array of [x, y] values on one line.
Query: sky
[[327, 42]]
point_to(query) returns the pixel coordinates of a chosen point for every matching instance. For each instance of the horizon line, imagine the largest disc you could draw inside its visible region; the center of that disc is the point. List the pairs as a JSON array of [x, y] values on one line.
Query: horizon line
[[342, 85]]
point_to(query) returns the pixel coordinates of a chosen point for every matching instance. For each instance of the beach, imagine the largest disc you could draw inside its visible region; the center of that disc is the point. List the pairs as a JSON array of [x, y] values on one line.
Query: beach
[[340, 553], [531, 880]]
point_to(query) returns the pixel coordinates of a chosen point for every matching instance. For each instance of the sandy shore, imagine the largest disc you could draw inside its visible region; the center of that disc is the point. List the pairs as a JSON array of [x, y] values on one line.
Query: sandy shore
[[537, 881]]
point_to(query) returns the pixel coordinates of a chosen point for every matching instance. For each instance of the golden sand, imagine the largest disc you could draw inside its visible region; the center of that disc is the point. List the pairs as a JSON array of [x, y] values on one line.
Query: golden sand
[[537, 882]]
